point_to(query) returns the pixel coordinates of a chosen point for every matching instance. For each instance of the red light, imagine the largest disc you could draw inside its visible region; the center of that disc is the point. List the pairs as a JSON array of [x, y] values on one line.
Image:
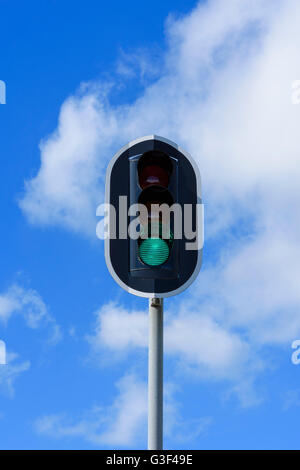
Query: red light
[[154, 169], [153, 175]]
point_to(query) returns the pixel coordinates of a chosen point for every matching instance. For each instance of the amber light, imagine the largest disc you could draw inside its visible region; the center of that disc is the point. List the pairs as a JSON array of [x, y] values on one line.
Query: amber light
[[155, 195]]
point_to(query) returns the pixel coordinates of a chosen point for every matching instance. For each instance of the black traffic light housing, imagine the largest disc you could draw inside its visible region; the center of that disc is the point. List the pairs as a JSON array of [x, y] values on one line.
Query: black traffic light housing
[[156, 262]]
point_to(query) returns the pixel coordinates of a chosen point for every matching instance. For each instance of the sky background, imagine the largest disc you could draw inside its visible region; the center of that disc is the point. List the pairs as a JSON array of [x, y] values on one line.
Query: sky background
[[83, 79]]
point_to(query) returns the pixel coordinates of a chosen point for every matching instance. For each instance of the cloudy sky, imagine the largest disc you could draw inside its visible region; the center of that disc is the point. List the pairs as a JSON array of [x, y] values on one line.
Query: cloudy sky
[[221, 79]]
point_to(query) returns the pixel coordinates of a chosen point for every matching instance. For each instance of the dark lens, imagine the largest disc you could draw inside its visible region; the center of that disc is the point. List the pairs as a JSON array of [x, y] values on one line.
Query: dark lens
[[155, 195]]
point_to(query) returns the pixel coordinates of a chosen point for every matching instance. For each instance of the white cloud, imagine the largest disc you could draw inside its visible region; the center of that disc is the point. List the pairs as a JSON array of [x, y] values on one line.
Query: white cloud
[[129, 413], [205, 51], [176, 428], [201, 345], [68, 186], [119, 329], [122, 424], [258, 289], [225, 84], [291, 399], [8, 305], [10, 371], [195, 337], [27, 302], [202, 342], [227, 100]]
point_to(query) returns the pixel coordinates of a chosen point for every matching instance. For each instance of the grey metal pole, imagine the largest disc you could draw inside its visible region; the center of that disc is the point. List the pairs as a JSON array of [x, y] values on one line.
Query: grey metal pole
[[155, 375]]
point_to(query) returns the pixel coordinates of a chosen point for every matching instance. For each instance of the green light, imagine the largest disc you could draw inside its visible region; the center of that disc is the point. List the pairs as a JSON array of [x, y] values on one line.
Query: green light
[[154, 251]]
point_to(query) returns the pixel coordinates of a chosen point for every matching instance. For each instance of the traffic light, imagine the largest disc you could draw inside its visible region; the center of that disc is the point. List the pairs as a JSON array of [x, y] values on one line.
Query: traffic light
[[154, 239]]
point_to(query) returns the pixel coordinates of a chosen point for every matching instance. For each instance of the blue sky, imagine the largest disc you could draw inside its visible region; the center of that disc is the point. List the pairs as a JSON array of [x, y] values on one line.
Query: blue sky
[[82, 80]]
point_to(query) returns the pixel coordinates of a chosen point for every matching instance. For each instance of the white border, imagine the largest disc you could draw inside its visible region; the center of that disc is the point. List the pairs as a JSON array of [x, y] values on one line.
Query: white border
[[107, 200]]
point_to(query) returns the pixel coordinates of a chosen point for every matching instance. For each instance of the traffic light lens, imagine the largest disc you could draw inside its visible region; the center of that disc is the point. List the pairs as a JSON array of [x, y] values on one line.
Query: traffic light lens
[[154, 251], [153, 175], [155, 195], [154, 168]]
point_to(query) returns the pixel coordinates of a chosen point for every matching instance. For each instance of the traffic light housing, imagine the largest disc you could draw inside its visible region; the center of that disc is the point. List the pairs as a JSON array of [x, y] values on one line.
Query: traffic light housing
[[154, 238]]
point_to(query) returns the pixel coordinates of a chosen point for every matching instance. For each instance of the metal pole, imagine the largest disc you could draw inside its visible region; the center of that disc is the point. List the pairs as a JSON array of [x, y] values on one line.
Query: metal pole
[[155, 375]]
